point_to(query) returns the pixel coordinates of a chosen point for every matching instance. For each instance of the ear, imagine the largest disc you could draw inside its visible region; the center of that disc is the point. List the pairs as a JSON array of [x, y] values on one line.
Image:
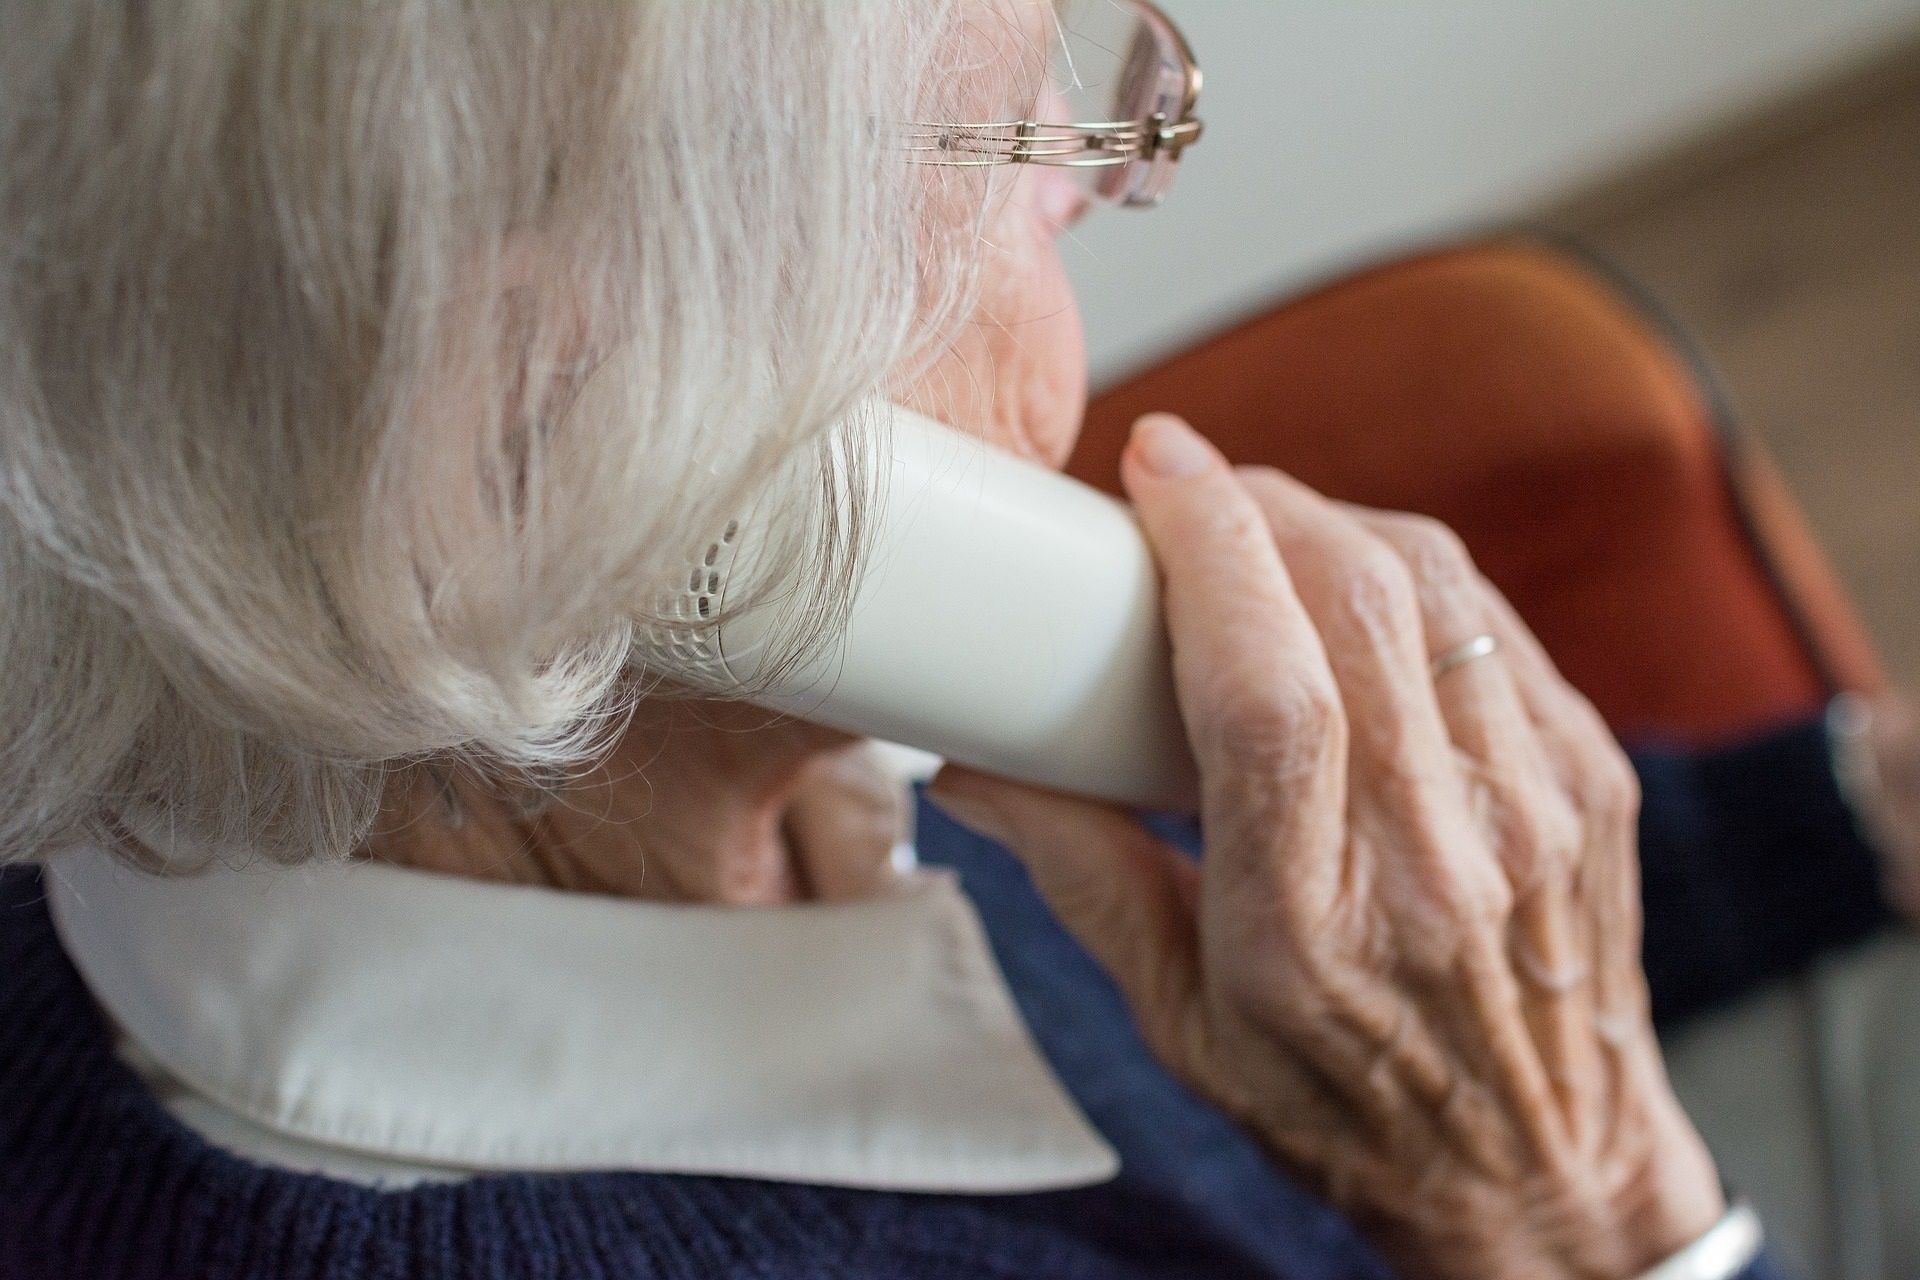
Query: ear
[[510, 346], [543, 342]]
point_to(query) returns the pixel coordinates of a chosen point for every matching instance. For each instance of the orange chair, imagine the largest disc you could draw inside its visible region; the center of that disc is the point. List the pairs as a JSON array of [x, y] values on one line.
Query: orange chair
[[1515, 391]]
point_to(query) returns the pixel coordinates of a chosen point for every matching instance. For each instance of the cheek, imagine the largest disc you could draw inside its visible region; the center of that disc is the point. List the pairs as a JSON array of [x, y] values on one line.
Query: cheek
[[1016, 373], [1035, 333]]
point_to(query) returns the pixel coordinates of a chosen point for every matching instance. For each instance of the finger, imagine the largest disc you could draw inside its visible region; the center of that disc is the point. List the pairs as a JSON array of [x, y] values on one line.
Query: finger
[[1442, 879], [1259, 700], [1559, 712], [1362, 599], [1264, 712], [1130, 900], [1535, 826], [1125, 895], [1595, 774], [1591, 768], [843, 824], [1519, 799], [1479, 704]]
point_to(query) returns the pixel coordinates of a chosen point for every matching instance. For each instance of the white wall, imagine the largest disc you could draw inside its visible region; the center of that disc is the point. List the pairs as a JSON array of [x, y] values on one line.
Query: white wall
[[1338, 127]]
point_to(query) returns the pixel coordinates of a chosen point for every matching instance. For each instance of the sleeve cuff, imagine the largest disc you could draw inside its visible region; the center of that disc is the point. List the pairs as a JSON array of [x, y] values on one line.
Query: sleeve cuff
[[1753, 864], [1730, 1250]]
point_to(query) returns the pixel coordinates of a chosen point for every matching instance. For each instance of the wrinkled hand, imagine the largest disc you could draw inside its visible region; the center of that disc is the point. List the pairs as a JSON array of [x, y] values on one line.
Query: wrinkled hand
[[699, 801], [1408, 960]]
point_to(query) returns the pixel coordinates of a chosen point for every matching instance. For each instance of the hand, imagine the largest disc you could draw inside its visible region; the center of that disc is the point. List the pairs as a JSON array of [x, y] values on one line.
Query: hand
[[1408, 960], [698, 801]]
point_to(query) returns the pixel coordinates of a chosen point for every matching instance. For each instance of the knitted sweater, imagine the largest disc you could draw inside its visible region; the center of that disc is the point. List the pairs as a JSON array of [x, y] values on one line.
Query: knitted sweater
[[97, 1180]]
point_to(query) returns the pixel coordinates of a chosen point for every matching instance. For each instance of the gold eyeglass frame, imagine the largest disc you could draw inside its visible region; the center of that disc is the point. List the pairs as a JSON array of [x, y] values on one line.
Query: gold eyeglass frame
[[1095, 144]]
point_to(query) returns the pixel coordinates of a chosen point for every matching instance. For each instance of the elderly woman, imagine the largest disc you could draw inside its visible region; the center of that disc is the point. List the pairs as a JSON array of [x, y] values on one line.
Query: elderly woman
[[376, 931]]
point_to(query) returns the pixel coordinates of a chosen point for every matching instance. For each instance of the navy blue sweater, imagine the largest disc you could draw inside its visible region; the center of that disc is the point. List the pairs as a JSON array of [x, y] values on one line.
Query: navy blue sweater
[[97, 1180]]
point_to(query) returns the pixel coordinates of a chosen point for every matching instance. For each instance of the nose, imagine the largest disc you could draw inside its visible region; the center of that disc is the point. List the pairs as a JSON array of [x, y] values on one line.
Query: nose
[[1058, 198]]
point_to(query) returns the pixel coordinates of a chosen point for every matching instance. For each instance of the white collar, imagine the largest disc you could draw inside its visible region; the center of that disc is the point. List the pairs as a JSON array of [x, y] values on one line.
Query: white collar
[[414, 1023]]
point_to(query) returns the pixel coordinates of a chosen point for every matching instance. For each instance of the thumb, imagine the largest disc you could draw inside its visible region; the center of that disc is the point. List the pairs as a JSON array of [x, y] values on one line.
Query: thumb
[[843, 821], [1125, 895]]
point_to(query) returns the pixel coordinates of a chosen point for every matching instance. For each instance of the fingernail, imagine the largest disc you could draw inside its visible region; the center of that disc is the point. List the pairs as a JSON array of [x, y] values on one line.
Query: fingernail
[[1169, 448]]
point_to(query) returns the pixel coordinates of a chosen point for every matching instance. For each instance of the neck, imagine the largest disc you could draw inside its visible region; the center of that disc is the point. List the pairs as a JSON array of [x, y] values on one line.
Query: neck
[[692, 804]]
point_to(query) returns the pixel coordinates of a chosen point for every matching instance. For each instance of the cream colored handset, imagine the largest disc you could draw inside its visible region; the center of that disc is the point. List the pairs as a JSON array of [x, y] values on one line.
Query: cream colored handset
[[1008, 618]]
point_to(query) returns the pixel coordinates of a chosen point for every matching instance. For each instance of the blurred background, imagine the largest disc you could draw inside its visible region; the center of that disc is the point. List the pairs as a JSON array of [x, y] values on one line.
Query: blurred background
[[1754, 163]]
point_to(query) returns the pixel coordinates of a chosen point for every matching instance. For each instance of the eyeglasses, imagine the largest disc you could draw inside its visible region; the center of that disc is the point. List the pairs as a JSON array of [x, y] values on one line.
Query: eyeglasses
[[1127, 74]]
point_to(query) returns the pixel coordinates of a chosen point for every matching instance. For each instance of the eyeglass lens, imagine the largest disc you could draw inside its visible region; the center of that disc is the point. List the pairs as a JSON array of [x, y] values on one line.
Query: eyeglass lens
[[1116, 62]]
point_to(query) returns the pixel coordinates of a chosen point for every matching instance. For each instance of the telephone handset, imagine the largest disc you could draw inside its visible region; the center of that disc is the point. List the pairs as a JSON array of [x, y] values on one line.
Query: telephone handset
[[1008, 618]]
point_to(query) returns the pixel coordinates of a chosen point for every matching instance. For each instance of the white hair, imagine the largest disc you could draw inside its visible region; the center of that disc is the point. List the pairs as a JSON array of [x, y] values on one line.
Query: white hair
[[294, 300]]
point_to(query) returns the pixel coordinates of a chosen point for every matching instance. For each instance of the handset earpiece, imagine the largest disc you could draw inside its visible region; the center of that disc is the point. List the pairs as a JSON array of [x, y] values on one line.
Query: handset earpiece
[[1008, 618]]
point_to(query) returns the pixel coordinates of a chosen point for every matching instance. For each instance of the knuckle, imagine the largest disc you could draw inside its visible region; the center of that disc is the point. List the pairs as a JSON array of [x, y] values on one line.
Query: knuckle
[[1613, 789], [1236, 524], [1287, 505], [1464, 899], [744, 882], [1445, 577], [1302, 991], [1477, 904], [1544, 838], [1090, 901], [1440, 558], [1381, 584], [1604, 784], [1600, 779], [1433, 548], [1276, 720], [1256, 995]]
